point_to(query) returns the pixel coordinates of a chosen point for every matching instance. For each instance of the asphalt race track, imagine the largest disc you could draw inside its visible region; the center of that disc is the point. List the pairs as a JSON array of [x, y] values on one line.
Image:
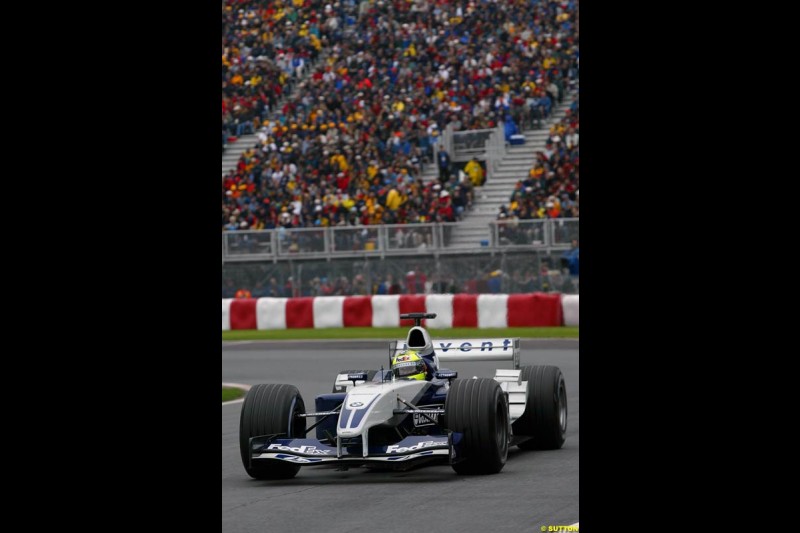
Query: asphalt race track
[[534, 489]]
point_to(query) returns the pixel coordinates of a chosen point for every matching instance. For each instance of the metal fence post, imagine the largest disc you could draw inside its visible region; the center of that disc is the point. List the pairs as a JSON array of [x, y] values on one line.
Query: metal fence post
[[272, 243], [326, 239]]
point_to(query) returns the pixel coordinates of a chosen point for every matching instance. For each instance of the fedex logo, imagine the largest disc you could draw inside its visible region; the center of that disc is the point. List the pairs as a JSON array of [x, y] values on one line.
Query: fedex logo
[[308, 450], [394, 448]]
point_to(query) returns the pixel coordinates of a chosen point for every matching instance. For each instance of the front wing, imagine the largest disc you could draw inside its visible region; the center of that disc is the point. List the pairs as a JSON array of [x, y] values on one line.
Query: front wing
[[307, 452]]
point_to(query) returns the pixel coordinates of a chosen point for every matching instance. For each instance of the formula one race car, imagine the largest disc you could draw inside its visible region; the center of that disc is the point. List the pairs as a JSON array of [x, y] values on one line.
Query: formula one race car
[[377, 418]]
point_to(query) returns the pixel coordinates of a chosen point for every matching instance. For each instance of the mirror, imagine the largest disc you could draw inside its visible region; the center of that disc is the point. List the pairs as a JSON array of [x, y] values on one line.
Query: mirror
[[357, 376]]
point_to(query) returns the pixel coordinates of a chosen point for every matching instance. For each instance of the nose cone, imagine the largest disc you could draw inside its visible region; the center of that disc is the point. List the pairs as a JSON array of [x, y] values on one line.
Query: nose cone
[[356, 405]]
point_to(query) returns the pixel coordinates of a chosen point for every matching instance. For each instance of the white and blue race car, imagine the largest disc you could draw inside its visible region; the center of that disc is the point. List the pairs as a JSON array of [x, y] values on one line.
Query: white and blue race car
[[373, 419]]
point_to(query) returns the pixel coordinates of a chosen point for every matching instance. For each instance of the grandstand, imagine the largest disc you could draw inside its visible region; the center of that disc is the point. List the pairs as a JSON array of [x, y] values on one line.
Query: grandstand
[[333, 116]]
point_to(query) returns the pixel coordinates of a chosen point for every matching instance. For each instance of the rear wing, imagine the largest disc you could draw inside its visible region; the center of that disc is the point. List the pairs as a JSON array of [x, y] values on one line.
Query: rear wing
[[452, 350]]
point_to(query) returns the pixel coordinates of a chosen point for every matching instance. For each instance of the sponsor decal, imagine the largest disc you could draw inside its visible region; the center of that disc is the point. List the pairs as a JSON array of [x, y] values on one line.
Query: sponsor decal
[[308, 450], [356, 404], [295, 459], [394, 448], [422, 420], [403, 358], [486, 346], [467, 347], [406, 457]]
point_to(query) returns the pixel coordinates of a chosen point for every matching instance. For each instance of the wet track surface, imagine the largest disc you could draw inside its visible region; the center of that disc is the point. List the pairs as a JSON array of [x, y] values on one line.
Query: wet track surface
[[534, 489]]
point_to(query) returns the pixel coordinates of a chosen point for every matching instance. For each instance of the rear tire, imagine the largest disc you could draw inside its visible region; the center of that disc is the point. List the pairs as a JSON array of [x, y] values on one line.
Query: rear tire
[[370, 375], [545, 416], [267, 410], [477, 408]]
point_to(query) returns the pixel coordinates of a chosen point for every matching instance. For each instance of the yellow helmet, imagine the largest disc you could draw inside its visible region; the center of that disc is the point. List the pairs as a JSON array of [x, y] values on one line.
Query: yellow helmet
[[408, 365]]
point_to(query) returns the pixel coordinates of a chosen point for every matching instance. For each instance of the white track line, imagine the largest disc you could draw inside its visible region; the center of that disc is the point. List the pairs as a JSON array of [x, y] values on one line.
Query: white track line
[[240, 400], [234, 343]]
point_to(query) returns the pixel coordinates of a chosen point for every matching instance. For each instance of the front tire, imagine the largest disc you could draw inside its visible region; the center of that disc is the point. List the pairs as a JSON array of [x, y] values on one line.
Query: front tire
[[268, 410], [477, 408], [545, 416]]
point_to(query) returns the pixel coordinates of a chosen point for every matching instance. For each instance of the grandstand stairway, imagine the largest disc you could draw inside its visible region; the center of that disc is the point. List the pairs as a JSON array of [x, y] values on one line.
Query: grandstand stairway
[[517, 162], [430, 172], [234, 150]]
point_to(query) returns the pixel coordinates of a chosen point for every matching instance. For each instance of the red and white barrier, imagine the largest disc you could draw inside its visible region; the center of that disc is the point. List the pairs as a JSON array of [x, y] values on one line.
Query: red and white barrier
[[300, 312], [358, 312], [271, 313], [226, 314], [411, 303], [465, 311], [534, 310], [569, 303], [385, 311], [492, 310], [329, 312], [243, 313], [442, 305], [453, 311]]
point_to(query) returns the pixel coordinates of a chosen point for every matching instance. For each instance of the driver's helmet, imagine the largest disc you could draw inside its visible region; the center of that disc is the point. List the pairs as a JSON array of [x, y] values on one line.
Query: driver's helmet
[[409, 365]]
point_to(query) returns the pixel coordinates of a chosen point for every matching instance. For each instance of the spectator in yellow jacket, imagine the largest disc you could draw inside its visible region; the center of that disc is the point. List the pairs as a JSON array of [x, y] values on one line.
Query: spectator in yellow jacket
[[393, 199], [475, 172]]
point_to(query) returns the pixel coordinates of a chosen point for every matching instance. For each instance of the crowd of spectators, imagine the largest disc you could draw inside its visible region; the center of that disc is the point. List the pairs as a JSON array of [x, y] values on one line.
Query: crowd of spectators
[[266, 48], [551, 189], [493, 282], [348, 146]]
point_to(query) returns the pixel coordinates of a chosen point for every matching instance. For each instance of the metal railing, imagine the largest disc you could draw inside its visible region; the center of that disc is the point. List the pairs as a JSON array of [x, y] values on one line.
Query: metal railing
[[495, 150], [514, 271], [547, 233], [488, 145], [392, 240], [470, 142], [520, 233]]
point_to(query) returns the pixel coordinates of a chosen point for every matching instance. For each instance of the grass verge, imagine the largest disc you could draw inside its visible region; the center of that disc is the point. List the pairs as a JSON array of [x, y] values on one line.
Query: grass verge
[[231, 393]]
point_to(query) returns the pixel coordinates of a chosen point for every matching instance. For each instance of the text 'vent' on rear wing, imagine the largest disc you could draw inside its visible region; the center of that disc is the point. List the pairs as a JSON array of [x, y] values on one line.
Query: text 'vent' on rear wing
[[453, 350]]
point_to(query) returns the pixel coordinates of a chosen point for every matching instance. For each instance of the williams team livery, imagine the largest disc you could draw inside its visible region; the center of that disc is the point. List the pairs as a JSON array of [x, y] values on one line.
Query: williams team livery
[[415, 413]]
